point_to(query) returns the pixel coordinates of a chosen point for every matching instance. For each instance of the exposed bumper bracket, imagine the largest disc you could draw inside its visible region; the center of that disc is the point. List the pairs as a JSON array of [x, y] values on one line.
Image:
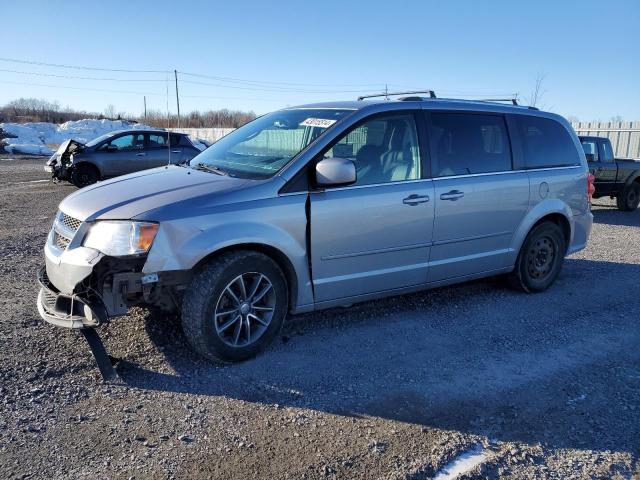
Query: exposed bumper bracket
[[76, 313], [103, 360]]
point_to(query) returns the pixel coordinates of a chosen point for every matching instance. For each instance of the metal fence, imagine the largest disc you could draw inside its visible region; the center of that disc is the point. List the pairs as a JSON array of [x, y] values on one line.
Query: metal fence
[[624, 136], [209, 134]]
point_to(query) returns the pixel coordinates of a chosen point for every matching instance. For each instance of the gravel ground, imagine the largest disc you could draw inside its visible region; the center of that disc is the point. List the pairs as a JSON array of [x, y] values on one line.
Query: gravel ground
[[546, 386]]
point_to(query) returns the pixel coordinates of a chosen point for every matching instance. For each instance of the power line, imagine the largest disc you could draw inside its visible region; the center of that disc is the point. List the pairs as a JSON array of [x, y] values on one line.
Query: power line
[[39, 74], [271, 89], [78, 88], [141, 93], [78, 67], [266, 82]]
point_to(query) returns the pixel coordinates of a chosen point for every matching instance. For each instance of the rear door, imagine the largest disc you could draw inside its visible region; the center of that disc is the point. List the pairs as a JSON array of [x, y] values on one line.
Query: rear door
[[375, 235], [479, 198], [157, 149]]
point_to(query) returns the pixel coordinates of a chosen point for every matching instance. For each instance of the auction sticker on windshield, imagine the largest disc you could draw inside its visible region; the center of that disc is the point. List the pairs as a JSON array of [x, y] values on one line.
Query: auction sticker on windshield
[[317, 122]]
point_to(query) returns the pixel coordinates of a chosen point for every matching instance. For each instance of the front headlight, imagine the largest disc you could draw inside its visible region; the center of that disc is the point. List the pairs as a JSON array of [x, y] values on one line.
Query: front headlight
[[121, 238]]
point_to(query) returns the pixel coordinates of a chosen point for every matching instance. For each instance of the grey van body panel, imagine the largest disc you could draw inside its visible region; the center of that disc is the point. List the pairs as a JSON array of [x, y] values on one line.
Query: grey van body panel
[[345, 246]]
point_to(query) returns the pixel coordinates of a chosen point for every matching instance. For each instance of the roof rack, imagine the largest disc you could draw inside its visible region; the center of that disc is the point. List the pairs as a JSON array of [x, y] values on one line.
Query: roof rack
[[431, 93], [513, 100]]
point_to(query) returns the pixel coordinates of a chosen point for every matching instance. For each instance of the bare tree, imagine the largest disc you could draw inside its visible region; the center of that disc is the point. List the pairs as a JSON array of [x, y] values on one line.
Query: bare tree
[[110, 111], [535, 99]]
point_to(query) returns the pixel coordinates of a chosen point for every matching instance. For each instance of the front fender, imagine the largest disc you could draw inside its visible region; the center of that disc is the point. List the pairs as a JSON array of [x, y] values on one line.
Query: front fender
[[182, 244], [546, 207]]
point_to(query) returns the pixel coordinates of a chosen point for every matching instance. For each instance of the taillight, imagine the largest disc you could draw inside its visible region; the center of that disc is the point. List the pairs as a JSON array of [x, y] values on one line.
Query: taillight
[[591, 188]]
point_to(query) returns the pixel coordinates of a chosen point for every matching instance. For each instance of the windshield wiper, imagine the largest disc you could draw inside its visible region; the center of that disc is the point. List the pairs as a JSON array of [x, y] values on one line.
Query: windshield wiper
[[212, 169]]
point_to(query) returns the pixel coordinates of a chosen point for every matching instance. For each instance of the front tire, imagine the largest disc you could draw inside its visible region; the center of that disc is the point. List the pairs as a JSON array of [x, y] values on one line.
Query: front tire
[[629, 198], [540, 259], [84, 175], [235, 306]]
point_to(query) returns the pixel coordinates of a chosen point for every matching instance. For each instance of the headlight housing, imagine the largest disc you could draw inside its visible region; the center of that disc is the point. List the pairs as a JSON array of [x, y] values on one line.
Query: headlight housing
[[121, 238]]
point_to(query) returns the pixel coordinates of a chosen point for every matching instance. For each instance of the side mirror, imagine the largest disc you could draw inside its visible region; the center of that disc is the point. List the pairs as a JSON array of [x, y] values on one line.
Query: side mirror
[[590, 157], [111, 148], [335, 172]]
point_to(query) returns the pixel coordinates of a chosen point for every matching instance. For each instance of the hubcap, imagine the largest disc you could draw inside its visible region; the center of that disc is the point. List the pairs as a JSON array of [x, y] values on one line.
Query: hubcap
[[541, 257], [244, 309]]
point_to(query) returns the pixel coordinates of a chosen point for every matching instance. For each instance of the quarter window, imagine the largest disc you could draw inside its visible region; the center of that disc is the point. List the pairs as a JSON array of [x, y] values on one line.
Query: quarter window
[[545, 143], [464, 144], [157, 140], [384, 149]]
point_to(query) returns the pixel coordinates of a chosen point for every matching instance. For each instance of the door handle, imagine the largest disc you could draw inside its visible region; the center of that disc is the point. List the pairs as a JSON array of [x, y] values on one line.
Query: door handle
[[176, 151], [415, 199], [141, 154], [453, 195]]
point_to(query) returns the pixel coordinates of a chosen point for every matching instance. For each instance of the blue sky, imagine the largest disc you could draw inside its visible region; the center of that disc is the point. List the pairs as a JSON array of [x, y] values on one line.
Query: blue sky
[[273, 54]]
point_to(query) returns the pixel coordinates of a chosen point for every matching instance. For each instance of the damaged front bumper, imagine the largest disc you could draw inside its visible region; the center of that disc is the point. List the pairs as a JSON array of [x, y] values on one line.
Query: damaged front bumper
[[69, 311]]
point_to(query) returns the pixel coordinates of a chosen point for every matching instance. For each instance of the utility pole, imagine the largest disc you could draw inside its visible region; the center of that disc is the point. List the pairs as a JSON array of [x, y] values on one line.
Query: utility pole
[[145, 107], [175, 72], [386, 91]]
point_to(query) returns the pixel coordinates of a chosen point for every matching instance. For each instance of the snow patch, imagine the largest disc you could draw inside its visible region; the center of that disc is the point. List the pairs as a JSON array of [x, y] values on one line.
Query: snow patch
[[35, 138], [463, 463]]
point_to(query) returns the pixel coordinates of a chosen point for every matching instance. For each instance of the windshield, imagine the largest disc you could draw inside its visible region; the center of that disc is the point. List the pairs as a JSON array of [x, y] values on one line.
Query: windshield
[[96, 141], [261, 148]]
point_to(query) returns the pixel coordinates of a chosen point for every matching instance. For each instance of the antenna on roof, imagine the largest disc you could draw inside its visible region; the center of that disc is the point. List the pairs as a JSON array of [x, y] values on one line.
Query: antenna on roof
[[387, 94]]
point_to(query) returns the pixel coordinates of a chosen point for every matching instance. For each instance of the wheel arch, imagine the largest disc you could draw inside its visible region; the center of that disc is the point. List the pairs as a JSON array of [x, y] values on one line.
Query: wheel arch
[[90, 164], [634, 177], [270, 251], [554, 211]]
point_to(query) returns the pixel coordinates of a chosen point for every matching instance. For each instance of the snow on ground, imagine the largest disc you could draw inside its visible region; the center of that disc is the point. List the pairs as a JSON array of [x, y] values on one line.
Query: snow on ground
[[463, 463], [35, 138]]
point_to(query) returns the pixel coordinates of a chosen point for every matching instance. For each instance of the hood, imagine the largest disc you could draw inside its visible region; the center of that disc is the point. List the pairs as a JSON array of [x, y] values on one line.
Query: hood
[[67, 147], [125, 197]]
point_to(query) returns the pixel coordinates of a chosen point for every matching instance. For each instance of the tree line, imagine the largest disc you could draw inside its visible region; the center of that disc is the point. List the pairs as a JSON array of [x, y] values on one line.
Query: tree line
[[24, 110]]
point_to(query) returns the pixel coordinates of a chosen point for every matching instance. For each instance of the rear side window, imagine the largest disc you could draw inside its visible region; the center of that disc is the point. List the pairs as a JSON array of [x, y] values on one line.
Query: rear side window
[[465, 143], [545, 143]]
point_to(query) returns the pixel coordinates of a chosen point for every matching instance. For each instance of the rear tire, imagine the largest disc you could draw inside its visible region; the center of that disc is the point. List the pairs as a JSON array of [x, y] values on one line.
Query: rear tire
[[235, 306], [84, 174], [629, 198], [540, 259]]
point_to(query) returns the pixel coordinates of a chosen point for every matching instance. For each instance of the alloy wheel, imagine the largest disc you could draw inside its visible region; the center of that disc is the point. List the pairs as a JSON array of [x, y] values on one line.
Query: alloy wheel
[[244, 309]]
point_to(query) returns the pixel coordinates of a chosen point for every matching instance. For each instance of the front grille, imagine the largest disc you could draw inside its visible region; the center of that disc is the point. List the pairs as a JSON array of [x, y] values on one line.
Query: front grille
[[68, 221], [49, 298], [60, 241]]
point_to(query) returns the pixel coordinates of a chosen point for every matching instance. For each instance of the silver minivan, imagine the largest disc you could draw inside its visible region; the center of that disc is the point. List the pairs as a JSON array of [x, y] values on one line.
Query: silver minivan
[[319, 206]]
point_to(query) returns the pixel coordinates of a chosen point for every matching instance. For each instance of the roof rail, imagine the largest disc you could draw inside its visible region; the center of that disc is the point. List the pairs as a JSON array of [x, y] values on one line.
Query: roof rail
[[431, 93], [513, 100]]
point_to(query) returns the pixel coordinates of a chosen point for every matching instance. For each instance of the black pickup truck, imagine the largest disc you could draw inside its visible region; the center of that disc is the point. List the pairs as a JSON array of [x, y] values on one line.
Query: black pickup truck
[[616, 178]]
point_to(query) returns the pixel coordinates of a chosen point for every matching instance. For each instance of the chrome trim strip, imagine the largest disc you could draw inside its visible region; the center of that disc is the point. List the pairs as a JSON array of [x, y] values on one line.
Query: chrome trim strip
[[466, 239], [354, 187], [380, 250], [507, 172]]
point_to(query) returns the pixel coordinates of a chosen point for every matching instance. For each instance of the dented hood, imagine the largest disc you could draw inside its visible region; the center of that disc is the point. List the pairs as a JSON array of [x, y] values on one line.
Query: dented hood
[[128, 196]]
